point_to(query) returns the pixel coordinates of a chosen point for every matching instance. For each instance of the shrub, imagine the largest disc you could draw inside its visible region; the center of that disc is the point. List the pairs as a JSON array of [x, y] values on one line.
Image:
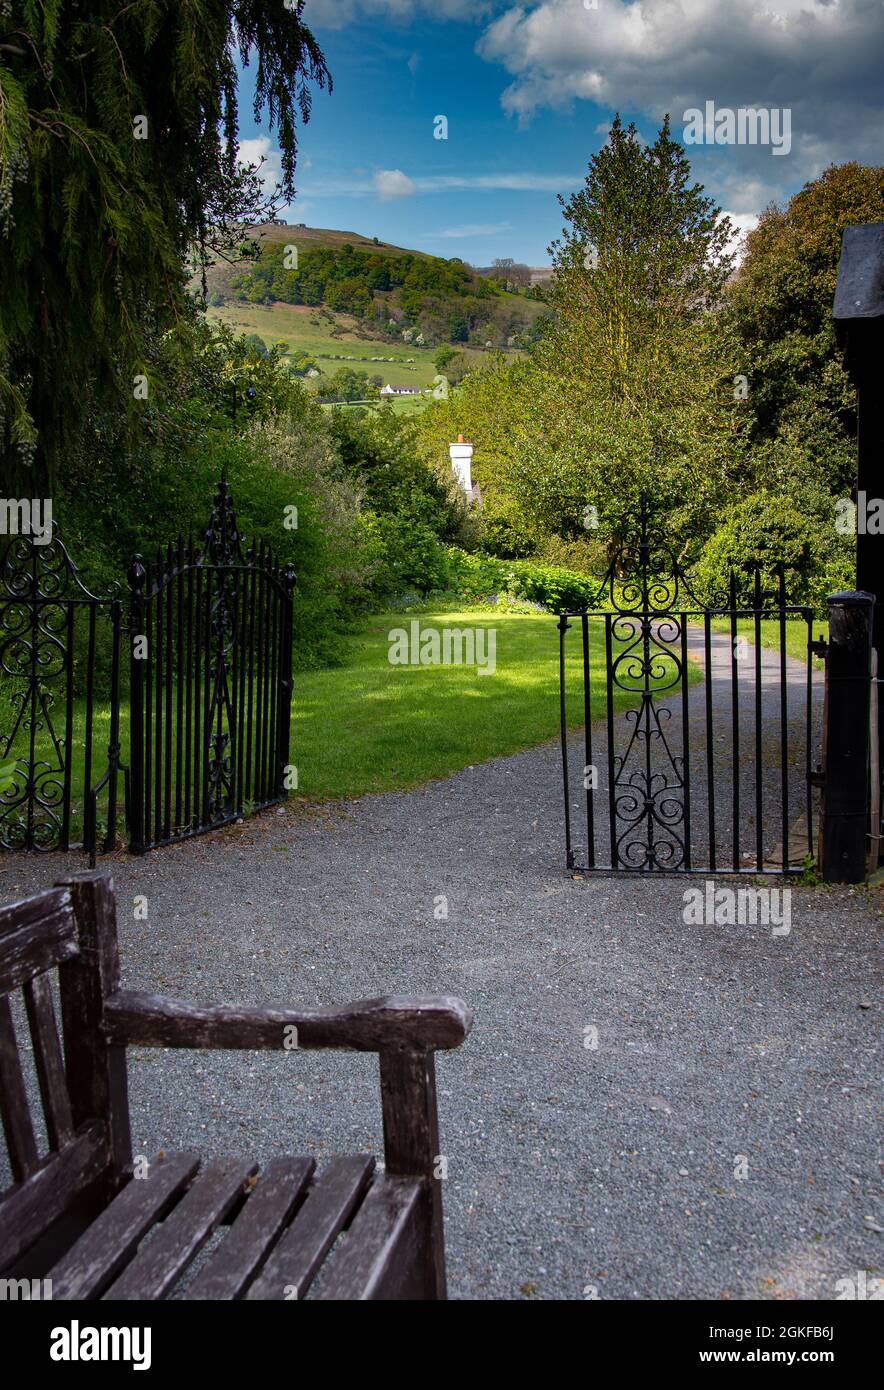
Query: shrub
[[379, 451], [763, 531], [556, 589], [406, 555]]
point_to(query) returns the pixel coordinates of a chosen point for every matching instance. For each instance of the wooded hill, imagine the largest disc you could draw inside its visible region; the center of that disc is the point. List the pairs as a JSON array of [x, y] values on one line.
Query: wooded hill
[[393, 291]]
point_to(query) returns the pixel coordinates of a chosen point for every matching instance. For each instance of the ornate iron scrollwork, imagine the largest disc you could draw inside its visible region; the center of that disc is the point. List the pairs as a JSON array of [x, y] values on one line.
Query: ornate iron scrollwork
[[39, 583], [642, 588], [222, 552]]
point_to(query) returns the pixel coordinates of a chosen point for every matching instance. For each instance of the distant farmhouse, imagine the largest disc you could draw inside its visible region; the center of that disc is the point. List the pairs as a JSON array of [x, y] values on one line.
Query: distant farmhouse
[[389, 390]]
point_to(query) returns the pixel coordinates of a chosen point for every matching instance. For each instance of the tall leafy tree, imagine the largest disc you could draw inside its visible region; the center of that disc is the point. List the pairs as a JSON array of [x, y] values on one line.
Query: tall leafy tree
[[643, 256], [802, 400], [118, 143], [636, 387]]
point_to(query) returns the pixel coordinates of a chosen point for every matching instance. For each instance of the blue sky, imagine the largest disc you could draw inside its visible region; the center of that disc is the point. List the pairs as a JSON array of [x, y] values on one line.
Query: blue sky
[[528, 93]]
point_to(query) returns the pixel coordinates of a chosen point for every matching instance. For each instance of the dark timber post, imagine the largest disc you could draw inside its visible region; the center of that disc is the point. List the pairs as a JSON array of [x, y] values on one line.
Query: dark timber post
[[845, 800], [859, 320]]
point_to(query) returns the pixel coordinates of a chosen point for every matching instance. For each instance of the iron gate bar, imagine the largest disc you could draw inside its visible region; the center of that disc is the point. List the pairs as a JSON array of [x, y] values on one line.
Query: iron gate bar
[[701, 620], [197, 807], [167, 770], [68, 724], [257, 672], [710, 753], [90, 707], [589, 764], [611, 798], [807, 741], [563, 725], [685, 743], [41, 598], [111, 776], [735, 723], [253, 583], [212, 701], [647, 653], [784, 720], [759, 835]]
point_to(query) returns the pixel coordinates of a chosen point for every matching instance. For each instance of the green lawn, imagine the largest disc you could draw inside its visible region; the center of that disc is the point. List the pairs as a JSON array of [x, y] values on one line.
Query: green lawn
[[45, 750], [302, 330], [796, 634], [400, 405], [372, 726]]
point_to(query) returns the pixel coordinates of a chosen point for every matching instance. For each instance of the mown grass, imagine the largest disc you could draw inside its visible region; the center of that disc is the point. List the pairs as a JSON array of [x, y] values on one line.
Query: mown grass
[[299, 328], [370, 726], [400, 405]]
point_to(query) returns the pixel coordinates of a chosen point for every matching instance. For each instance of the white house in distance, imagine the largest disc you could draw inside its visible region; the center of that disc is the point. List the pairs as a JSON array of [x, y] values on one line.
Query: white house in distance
[[461, 455], [389, 390]]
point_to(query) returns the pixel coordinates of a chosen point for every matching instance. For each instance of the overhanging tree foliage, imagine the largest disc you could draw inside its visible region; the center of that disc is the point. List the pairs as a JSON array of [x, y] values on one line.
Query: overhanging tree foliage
[[118, 143], [803, 402]]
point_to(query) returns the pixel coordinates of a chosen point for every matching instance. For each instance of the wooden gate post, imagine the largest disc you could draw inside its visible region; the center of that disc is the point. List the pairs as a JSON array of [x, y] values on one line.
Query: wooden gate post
[[845, 800]]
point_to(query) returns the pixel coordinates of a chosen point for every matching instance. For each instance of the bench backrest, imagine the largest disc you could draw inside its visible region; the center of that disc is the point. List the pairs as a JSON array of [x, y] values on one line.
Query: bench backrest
[[58, 934]]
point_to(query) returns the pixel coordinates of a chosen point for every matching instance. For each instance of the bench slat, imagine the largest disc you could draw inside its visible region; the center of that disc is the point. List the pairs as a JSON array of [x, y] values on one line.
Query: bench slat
[[35, 935], [17, 1123], [108, 1245], [280, 1187], [380, 1254], [155, 1269], [327, 1209], [27, 1212], [49, 1061]]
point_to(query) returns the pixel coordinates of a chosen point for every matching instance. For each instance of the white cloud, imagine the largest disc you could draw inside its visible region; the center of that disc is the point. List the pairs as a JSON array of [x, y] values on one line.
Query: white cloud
[[469, 229], [513, 183], [392, 183], [743, 223], [253, 151], [334, 14], [820, 59]]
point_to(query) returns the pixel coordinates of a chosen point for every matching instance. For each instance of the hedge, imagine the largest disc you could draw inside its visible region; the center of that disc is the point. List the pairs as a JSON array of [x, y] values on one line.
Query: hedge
[[556, 589]]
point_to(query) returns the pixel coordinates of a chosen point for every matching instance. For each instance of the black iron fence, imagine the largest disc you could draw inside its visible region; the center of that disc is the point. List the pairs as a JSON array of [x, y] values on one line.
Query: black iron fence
[[210, 683], [209, 628], [51, 626], [708, 760]]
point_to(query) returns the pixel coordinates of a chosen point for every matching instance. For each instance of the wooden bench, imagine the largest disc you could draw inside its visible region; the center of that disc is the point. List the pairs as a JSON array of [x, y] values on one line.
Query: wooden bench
[[80, 1214]]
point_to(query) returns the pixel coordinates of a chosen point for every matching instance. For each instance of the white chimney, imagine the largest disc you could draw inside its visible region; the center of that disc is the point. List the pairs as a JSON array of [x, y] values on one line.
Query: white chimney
[[461, 454]]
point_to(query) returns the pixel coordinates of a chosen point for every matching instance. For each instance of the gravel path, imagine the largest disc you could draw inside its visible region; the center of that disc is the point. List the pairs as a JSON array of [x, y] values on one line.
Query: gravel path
[[571, 1167]]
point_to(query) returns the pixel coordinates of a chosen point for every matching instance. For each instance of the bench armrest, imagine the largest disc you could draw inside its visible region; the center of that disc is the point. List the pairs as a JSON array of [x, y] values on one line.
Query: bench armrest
[[368, 1025], [405, 1032]]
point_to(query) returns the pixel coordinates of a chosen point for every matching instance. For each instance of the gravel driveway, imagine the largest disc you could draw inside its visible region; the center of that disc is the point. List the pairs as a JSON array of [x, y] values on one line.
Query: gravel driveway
[[718, 1050]]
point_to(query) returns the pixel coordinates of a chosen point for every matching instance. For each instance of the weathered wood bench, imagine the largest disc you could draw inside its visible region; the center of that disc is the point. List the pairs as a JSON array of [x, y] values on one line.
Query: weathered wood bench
[[80, 1214]]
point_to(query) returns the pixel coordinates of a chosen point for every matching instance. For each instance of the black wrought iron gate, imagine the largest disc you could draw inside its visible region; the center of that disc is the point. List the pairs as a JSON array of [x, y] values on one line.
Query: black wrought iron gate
[[59, 647], [710, 767], [210, 683]]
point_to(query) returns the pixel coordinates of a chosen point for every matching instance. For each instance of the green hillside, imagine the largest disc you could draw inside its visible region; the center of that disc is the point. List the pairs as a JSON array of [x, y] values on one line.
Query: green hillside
[[339, 299]]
